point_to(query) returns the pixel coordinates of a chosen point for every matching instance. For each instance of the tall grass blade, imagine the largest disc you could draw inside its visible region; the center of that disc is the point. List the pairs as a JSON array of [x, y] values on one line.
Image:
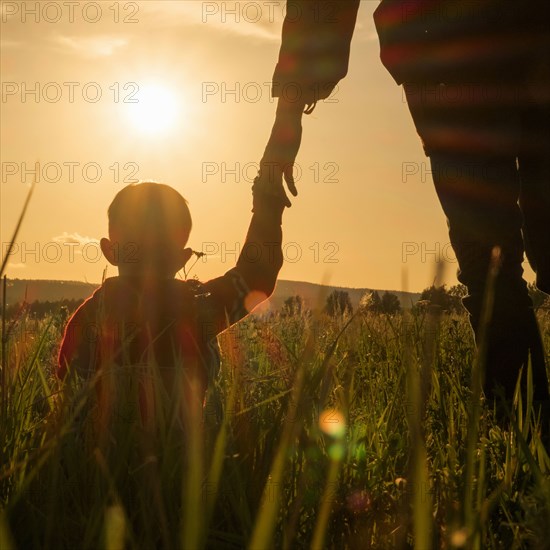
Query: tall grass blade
[[17, 228], [6, 539], [266, 522], [4, 343], [115, 528], [336, 451], [477, 378], [418, 469]]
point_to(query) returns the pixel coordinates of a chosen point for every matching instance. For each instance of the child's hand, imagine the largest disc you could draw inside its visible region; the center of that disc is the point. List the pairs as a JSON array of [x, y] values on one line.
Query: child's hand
[[269, 184], [280, 153]]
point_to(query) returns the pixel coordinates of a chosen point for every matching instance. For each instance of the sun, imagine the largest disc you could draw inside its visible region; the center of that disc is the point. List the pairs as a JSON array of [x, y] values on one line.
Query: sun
[[155, 111]]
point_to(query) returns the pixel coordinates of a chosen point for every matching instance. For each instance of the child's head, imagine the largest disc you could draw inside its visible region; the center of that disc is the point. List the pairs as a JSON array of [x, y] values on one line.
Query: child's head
[[149, 225]]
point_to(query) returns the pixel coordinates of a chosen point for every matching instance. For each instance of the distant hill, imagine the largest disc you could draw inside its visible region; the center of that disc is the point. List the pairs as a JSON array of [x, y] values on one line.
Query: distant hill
[[314, 295], [46, 291]]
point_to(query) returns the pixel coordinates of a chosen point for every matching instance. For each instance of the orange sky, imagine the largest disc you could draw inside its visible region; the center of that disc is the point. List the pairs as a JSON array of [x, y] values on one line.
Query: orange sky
[[367, 211]]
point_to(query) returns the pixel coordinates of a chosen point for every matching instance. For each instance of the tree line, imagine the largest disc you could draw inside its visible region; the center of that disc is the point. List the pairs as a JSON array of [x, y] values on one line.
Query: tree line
[[338, 302], [449, 300]]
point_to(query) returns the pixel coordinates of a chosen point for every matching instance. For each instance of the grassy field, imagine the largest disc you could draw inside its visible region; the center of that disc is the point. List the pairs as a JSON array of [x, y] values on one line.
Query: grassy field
[[324, 432]]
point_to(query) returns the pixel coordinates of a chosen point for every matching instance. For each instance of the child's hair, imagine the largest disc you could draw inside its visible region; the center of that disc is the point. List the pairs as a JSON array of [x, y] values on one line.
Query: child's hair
[[153, 216], [150, 222]]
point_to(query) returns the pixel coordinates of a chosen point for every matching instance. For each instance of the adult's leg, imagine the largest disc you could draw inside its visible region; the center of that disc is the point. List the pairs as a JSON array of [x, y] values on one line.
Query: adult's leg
[[480, 199], [473, 149], [534, 170]]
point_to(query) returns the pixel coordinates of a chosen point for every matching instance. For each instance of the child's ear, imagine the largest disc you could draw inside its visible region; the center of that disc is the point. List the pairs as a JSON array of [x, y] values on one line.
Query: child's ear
[[109, 251]]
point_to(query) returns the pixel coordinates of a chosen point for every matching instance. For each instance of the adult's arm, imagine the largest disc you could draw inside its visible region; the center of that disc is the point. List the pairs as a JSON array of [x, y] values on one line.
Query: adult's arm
[[313, 58], [315, 48]]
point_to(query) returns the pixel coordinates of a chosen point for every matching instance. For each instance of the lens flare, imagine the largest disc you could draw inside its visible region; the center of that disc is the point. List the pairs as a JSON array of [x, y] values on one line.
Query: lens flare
[[332, 422]]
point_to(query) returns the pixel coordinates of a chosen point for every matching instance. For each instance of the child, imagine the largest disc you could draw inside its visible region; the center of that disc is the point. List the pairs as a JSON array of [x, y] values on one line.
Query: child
[[145, 313]]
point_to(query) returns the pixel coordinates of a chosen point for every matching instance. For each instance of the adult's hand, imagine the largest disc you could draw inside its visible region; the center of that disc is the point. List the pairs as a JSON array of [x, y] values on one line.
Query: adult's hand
[[281, 150]]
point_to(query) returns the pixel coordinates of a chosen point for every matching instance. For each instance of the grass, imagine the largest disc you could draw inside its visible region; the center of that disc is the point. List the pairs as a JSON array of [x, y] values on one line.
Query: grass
[[322, 432]]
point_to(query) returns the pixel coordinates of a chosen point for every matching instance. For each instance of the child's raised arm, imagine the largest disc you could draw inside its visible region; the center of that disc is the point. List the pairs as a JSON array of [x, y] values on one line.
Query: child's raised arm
[[253, 279]]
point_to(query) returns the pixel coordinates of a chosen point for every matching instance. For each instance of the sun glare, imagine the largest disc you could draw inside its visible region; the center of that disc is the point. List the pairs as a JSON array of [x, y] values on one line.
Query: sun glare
[[155, 110]]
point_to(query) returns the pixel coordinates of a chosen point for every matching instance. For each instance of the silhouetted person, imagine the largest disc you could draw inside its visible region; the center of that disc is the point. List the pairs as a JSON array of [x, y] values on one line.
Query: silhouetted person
[[145, 313], [477, 81]]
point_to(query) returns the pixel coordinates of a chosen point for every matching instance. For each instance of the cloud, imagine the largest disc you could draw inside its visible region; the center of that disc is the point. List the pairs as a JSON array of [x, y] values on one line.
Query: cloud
[[74, 238], [260, 20], [92, 46], [252, 19], [17, 266]]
